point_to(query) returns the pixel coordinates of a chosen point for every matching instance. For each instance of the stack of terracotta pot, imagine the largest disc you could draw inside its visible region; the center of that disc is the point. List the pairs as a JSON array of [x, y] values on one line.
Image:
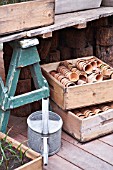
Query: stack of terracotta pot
[[92, 110], [82, 71]]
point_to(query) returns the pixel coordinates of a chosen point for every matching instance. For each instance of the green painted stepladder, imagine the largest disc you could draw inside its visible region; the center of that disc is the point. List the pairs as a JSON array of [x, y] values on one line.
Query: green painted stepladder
[[24, 54]]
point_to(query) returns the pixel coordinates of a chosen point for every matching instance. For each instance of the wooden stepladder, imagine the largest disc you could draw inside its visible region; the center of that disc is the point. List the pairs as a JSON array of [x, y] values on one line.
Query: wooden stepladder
[[24, 54]]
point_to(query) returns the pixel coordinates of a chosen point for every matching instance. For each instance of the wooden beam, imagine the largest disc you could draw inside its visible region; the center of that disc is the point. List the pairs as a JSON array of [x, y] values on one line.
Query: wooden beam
[[63, 21], [46, 35], [80, 26]]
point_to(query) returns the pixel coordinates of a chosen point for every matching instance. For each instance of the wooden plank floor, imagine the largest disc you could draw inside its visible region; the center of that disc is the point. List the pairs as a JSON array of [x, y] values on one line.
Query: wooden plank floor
[[94, 155]]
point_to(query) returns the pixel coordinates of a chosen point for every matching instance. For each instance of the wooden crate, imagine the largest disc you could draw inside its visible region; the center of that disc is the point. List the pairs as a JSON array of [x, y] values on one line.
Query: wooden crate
[[26, 15], [36, 158], [88, 128], [64, 6], [80, 95], [107, 2]]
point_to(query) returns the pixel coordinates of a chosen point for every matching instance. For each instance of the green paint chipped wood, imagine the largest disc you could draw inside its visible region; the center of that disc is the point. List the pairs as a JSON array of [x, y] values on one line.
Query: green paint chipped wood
[[21, 58]]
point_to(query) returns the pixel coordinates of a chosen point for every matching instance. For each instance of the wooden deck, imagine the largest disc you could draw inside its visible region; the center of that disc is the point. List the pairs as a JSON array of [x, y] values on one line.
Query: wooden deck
[[94, 155]]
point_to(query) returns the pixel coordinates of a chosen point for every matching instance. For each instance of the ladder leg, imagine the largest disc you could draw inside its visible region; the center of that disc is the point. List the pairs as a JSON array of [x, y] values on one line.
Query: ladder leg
[[39, 80], [11, 84], [4, 117]]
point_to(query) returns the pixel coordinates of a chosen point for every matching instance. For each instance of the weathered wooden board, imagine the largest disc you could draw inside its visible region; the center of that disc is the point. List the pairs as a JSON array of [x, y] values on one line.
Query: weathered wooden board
[[56, 162], [82, 158], [77, 96], [72, 5], [101, 150], [26, 15], [63, 21], [107, 139], [88, 128]]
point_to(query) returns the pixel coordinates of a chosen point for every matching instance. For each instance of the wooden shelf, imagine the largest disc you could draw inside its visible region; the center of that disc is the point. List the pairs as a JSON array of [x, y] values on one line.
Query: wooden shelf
[[63, 21]]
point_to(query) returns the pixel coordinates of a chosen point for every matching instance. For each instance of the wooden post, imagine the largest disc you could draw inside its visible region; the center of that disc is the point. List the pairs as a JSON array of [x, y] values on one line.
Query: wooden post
[[2, 70], [65, 53], [104, 36], [54, 56]]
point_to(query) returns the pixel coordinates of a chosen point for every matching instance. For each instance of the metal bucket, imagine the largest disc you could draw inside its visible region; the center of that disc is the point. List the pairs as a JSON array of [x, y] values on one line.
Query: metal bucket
[[35, 135]]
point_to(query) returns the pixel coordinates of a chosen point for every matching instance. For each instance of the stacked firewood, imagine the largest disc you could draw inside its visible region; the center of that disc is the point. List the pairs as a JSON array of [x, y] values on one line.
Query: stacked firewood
[[82, 71], [104, 44]]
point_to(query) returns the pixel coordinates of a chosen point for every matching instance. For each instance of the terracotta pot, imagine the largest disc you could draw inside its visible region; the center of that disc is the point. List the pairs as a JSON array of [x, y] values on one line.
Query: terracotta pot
[[83, 65], [74, 69], [78, 61], [81, 82], [104, 107], [67, 83], [111, 105], [60, 77], [87, 112], [83, 76], [93, 62], [111, 76], [96, 110], [94, 77], [79, 114], [66, 64], [57, 75], [53, 72], [72, 76], [69, 66], [97, 70], [99, 63], [106, 70]]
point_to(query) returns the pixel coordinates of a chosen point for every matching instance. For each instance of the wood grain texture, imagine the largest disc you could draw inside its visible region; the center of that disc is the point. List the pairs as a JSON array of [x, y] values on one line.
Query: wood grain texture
[[63, 21], [56, 91], [57, 163], [107, 139], [26, 15], [88, 128], [100, 150], [35, 164], [71, 5], [78, 96], [73, 155], [82, 158]]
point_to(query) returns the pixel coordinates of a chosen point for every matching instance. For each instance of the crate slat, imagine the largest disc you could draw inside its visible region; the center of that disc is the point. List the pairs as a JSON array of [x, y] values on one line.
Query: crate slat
[[85, 129]]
